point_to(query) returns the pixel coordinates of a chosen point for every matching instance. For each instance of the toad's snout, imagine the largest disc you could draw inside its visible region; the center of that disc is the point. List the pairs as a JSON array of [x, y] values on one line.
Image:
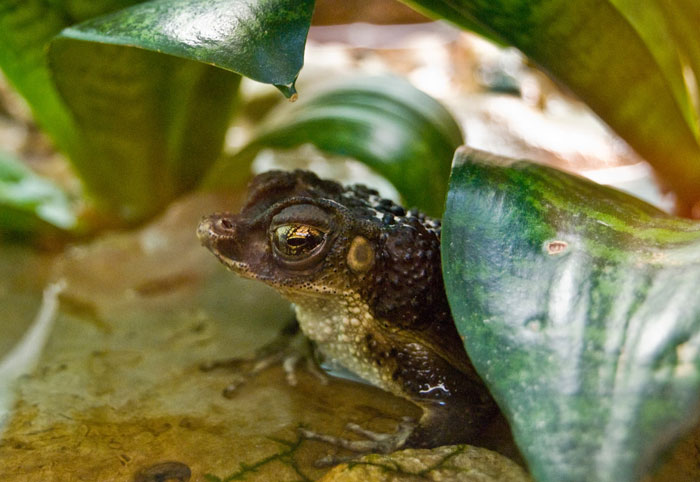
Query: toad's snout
[[216, 227], [223, 235]]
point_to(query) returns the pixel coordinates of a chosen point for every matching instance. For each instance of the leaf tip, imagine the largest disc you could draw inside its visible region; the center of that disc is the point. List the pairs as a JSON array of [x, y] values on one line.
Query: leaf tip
[[289, 90]]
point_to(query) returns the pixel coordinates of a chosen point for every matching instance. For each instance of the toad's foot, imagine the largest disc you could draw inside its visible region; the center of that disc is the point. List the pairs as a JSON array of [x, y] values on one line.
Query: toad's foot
[[374, 442], [289, 348]]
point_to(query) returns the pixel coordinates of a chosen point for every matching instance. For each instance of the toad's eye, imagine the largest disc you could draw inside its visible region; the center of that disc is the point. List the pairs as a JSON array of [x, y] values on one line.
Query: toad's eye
[[297, 241]]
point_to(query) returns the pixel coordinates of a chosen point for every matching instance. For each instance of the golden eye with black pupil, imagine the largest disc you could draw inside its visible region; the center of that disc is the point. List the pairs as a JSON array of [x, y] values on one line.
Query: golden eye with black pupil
[[301, 236], [297, 240]]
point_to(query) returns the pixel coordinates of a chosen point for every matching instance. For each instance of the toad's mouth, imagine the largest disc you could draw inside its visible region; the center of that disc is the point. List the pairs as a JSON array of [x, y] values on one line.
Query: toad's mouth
[[241, 268]]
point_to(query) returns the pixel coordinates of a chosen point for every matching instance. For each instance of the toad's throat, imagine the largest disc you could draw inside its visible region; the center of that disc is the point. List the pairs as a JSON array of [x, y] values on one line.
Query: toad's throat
[[341, 327]]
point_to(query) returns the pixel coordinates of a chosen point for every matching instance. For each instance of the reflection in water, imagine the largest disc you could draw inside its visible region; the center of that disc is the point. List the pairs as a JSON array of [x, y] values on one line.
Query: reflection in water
[[22, 359]]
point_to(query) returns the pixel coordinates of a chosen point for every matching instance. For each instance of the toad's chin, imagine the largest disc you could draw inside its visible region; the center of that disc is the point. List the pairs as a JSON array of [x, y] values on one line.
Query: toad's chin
[[239, 267]]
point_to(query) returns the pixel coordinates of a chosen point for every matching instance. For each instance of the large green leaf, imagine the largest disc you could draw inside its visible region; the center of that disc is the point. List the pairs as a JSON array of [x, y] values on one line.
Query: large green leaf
[[636, 64], [153, 124], [141, 127], [399, 131], [30, 204], [260, 39], [579, 306]]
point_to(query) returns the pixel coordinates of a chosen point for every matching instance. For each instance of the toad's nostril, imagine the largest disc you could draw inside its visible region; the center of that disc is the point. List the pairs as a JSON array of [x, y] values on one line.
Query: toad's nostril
[[225, 224]]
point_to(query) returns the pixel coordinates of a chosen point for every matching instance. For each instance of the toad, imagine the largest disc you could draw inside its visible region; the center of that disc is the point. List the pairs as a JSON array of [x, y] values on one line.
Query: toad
[[365, 278]]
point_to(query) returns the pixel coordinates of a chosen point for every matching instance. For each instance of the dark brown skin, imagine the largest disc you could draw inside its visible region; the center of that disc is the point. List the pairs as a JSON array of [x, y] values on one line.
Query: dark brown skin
[[366, 281]]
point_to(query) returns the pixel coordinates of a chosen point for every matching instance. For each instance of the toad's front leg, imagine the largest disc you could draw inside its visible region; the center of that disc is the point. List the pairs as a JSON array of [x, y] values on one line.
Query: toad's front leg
[[456, 406]]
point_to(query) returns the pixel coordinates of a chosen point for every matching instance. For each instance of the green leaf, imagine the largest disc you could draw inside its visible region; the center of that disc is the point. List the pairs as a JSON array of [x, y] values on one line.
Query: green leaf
[[579, 307], [260, 39], [399, 131], [152, 124], [26, 27], [636, 64], [141, 127], [454, 14], [75, 11], [30, 204]]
